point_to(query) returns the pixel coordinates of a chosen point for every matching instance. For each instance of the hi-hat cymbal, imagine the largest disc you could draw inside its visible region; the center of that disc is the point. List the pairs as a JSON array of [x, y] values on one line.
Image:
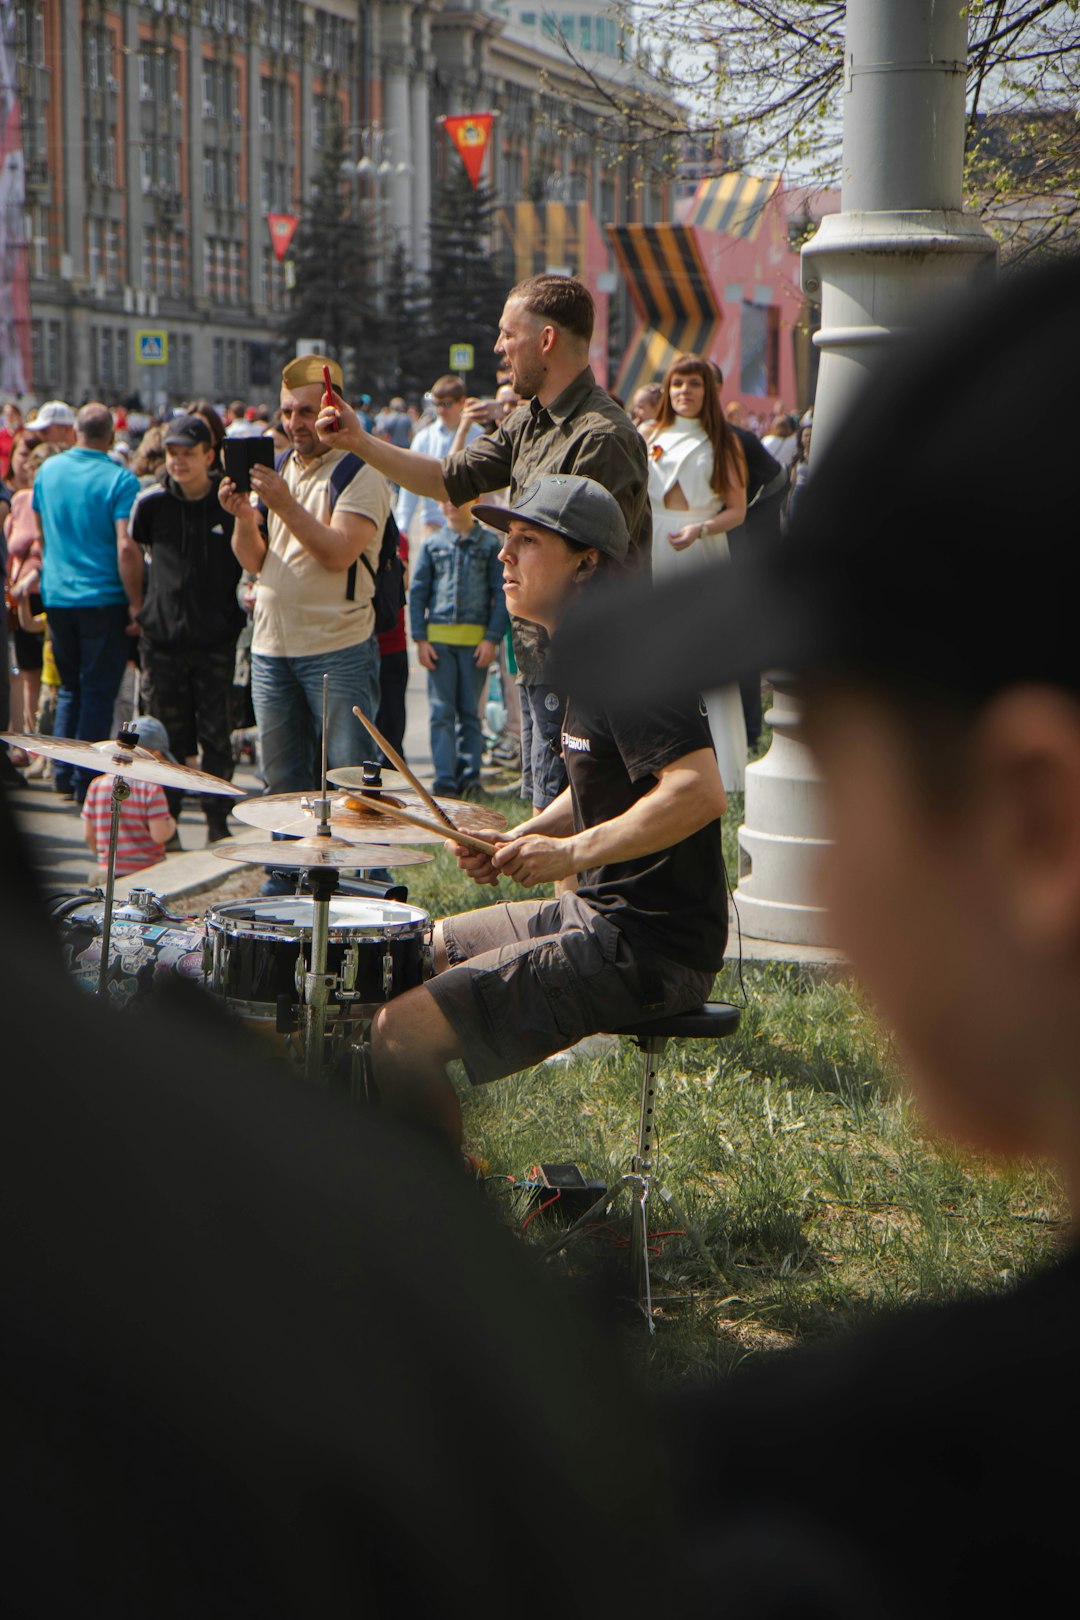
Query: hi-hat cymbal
[[109, 759], [308, 853], [293, 813], [352, 776]]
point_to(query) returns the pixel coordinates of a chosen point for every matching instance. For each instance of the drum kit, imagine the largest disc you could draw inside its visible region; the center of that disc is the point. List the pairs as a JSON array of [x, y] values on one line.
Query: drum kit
[[315, 966]]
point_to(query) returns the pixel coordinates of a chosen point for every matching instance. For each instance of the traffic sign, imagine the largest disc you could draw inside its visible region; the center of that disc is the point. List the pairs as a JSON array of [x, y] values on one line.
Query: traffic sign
[[151, 348], [462, 357]]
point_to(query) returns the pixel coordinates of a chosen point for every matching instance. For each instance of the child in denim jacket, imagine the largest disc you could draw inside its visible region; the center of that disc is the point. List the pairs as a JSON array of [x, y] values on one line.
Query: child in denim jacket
[[458, 617]]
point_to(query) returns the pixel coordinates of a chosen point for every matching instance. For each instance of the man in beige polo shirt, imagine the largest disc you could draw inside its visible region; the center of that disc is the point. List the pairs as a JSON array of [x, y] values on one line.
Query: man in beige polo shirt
[[326, 511]]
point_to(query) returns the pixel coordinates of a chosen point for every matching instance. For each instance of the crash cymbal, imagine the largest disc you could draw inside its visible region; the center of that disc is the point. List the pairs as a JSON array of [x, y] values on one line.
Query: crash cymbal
[[293, 813], [305, 854], [109, 759]]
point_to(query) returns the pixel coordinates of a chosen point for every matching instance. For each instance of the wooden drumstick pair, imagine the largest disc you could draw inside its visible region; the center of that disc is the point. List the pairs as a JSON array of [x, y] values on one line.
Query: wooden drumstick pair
[[441, 823]]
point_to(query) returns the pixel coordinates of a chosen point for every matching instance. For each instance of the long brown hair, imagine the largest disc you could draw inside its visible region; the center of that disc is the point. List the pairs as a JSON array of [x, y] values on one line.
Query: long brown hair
[[729, 462]]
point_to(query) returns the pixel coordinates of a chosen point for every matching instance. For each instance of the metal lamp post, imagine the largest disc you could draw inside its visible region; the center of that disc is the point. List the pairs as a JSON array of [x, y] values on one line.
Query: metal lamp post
[[900, 241]]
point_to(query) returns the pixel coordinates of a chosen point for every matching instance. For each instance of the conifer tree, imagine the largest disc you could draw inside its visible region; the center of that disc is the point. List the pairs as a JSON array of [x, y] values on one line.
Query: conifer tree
[[467, 287], [334, 299]]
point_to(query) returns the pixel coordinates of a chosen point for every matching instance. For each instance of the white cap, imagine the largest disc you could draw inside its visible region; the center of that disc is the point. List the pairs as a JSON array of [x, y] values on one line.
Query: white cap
[[54, 413]]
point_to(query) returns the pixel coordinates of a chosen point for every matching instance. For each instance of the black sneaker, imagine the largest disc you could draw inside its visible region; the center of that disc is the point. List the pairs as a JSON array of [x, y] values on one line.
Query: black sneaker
[[216, 831]]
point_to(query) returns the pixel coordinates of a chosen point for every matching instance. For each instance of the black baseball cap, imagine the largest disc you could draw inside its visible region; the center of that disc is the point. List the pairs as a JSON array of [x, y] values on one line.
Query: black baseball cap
[[188, 431], [577, 508], [935, 546]]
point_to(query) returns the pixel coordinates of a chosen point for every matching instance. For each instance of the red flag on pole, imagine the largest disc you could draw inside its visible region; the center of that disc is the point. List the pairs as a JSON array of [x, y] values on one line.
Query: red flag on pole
[[471, 134], [282, 231]]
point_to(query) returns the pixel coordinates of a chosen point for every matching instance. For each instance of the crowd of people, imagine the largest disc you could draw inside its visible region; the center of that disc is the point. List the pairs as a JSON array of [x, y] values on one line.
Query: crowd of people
[[137, 578], [266, 1351]]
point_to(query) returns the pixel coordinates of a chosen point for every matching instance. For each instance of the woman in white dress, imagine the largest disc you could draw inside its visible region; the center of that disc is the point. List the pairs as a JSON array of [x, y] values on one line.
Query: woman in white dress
[[697, 486]]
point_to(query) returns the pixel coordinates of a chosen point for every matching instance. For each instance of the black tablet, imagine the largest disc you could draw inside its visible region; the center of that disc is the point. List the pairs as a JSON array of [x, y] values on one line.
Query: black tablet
[[243, 454]]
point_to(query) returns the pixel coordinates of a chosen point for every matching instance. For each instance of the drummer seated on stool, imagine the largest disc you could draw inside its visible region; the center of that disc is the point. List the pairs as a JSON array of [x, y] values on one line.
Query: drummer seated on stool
[[644, 933], [145, 825]]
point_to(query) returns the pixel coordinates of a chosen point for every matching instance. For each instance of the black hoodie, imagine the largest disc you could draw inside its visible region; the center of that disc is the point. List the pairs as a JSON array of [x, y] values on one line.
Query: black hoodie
[[190, 599]]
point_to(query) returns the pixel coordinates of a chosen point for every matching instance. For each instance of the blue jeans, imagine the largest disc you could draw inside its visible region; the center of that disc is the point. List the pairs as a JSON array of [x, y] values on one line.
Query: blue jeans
[[287, 694], [91, 647], [457, 737]]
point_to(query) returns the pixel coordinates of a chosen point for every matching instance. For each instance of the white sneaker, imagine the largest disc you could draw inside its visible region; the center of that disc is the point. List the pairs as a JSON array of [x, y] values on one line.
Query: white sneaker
[[591, 1046]]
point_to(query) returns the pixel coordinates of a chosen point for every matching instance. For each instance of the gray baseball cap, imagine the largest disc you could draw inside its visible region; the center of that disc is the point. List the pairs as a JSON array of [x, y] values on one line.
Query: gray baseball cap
[[151, 734], [577, 508]]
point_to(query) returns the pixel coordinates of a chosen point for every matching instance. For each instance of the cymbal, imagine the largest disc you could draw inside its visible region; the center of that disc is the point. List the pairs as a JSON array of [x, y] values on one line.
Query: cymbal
[[134, 764], [304, 854], [291, 813], [352, 776]]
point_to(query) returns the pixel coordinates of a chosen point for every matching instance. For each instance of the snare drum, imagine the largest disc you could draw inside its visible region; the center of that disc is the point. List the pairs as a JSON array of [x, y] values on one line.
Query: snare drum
[[260, 950]]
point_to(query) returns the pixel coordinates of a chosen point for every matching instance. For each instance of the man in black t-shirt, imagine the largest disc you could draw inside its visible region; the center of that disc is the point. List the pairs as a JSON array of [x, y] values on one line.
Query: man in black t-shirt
[[190, 618], [639, 825]]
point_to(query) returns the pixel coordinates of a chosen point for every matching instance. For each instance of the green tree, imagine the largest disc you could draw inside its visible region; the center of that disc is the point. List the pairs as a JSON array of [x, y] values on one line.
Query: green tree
[[466, 286], [334, 299], [766, 78], [406, 326]]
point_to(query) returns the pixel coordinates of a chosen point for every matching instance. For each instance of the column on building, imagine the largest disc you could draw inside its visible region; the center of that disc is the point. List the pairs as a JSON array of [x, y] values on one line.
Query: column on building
[[196, 186], [307, 150], [256, 225], [396, 36], [133, 198], [421, 145]]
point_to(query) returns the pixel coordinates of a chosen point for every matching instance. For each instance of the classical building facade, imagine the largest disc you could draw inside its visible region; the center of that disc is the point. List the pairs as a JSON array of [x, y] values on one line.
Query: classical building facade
[[158, 135]]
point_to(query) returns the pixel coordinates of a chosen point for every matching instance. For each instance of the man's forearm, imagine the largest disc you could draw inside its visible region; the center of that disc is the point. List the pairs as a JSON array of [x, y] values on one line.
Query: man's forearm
[[249, 547], [327, 545], [556, 820], [409, 468], [129, 560]]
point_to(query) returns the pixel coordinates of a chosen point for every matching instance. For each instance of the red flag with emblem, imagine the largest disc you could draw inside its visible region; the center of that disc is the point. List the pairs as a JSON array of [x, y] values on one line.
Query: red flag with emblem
[[282, 231], [471, 134]]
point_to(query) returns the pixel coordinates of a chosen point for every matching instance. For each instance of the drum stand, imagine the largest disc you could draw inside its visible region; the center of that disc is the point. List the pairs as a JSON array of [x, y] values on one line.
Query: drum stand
[[120, 790], [323, 881]]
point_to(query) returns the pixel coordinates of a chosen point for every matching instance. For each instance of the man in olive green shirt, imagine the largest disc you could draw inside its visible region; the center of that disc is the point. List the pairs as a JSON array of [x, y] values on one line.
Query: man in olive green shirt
[[569, 425]]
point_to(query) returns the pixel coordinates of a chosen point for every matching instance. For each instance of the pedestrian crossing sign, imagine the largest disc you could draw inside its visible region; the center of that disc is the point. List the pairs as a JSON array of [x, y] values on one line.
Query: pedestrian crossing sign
[[462, 357], [151, 348]]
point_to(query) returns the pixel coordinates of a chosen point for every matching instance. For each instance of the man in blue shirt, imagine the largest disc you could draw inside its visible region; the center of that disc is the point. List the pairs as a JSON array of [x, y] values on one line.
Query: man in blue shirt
[[448, 396], [91, 581]]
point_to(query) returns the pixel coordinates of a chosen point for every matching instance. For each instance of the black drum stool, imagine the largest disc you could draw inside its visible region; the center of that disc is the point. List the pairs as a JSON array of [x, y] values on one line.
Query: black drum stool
[[709, 1022]]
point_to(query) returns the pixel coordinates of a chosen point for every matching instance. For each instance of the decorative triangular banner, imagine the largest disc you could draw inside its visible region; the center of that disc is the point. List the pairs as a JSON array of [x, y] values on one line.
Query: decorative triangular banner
[[282, 231], [471, 134]]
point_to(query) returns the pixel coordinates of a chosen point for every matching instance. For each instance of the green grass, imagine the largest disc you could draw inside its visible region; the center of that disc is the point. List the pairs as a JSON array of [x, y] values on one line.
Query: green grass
[[790, 1148]]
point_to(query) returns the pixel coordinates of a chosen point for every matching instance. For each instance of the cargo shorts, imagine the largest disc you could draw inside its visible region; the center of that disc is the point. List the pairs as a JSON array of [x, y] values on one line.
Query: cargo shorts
[[532, 977]]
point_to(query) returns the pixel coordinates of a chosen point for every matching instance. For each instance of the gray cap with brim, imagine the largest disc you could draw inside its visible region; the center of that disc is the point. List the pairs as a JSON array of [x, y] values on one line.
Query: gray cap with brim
[[578, 508]]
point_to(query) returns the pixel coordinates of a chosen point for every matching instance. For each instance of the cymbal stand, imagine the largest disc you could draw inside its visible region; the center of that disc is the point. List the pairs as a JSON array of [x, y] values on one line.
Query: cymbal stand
[[120, 790], [318, 983], [323, 882]]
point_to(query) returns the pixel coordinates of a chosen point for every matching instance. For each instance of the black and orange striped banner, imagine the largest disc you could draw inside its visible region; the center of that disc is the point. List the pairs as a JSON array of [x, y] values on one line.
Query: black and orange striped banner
[[672, 294]]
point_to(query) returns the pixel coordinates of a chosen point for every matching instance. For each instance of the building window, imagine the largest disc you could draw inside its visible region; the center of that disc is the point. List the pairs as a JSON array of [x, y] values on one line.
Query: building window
[[753, 346], [219, 367], [585, 32]]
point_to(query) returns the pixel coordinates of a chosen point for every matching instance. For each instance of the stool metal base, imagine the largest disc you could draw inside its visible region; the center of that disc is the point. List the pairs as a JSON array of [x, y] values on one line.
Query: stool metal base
[[637, 1182], [712, 1020]]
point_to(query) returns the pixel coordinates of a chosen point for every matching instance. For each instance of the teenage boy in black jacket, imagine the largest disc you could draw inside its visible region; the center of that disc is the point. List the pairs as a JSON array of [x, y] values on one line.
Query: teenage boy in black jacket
[[191, 618]]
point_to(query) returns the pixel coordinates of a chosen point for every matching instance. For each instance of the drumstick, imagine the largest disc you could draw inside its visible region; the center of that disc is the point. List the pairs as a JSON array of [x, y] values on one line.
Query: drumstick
[[399, 764], [481, 845]]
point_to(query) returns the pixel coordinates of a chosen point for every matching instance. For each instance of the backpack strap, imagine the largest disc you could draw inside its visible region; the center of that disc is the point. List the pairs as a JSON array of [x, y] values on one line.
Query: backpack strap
[[340, 479]]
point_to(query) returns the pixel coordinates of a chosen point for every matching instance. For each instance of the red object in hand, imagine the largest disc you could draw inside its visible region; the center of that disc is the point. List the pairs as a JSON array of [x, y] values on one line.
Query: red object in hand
[[328, 397]]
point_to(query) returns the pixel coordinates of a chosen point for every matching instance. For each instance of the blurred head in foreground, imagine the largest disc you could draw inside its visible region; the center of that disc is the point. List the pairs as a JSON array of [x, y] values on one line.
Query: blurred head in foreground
[[930, 620]]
